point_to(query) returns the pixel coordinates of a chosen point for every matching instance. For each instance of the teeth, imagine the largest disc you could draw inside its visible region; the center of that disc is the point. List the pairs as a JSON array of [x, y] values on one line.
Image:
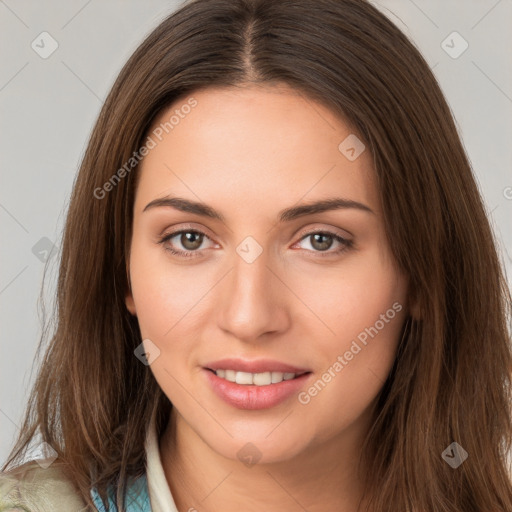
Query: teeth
[[262, 379], [277, 377], [243, 378], [258, 379]]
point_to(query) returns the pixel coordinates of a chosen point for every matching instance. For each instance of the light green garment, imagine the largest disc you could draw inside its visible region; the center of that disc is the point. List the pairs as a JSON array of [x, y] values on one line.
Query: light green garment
[[31, 488]]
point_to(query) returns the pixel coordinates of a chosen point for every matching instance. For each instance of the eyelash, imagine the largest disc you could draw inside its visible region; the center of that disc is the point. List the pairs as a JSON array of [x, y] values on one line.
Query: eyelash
[[346, 244]]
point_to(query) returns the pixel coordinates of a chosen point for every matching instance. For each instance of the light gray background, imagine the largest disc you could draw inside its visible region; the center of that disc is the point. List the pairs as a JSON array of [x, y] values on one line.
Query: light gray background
[[48, 107]]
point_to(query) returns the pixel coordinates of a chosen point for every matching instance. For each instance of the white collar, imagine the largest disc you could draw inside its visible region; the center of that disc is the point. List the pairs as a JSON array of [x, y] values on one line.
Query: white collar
[[159, 492]]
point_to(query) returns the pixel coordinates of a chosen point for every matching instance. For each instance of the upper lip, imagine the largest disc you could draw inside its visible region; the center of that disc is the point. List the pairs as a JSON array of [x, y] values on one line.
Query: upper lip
[[255, 366]]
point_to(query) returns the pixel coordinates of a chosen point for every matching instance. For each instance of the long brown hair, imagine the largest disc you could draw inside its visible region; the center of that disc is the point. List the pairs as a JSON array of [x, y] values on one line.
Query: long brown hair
[[93, 400]]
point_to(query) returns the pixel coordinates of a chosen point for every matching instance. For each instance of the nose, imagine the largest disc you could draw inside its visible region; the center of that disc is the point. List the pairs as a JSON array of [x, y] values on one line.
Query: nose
[[253, 301]]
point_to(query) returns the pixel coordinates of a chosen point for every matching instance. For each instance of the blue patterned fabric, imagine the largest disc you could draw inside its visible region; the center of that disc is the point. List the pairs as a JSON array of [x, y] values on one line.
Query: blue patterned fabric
[[137, 497]]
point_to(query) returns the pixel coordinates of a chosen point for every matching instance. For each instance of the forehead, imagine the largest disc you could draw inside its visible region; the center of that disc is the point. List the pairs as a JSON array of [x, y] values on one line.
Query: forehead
[[253, 147]]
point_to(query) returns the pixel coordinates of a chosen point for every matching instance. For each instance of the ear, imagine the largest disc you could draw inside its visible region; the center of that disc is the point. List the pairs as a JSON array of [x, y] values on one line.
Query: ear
[[415, 311], [128, 299], [414, 306], [130, 303]]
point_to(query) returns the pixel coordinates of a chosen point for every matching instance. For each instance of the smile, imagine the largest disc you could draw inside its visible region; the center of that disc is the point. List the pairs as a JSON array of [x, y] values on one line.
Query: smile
[[263, 390], [257, 379]]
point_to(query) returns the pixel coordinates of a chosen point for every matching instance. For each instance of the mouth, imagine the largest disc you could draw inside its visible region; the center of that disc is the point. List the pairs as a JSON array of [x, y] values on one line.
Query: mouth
[[255, 391], [256, 379], [255, 383]]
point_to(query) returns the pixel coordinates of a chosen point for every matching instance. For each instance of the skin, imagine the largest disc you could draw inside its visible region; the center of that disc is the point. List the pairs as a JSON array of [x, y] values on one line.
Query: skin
[[249, 152]]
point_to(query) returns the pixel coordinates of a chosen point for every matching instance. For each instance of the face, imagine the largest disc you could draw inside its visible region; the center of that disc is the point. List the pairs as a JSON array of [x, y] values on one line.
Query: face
[[226, 263]]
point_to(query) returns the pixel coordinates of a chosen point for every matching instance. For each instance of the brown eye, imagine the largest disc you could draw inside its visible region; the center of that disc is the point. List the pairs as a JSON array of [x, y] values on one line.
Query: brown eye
[[191, 240], [185, 243], [321, 241]]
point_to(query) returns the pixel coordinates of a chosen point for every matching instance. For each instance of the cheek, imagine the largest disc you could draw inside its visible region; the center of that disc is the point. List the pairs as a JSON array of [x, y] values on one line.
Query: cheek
[[351, 297], [165, 293], [364, 308], [173, 304], [168, 305]]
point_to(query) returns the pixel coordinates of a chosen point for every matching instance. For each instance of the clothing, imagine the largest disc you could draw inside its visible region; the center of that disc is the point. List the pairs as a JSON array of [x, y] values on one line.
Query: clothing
[[32, 488], [137, 499], [159, 491]]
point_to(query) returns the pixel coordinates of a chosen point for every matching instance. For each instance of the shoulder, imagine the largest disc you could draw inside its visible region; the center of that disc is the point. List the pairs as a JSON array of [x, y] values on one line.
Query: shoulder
[[32, 488]]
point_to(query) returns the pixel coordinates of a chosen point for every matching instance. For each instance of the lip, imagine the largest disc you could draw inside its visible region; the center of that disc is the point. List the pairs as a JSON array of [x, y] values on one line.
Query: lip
[[252, 397], [256, 366]]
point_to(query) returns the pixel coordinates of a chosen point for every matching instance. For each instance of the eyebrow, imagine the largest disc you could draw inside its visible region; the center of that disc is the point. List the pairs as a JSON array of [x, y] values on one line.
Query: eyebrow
[[286, 215]]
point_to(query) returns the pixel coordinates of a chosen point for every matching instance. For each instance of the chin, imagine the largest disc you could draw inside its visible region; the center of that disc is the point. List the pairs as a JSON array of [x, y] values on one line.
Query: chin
[[257, 449]]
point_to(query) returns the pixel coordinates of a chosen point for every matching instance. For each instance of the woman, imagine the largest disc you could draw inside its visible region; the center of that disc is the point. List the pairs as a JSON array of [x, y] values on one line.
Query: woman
[[278, 288]]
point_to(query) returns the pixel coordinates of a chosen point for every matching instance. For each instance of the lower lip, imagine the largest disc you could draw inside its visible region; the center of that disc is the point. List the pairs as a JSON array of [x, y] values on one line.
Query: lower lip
[[250, 396]]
